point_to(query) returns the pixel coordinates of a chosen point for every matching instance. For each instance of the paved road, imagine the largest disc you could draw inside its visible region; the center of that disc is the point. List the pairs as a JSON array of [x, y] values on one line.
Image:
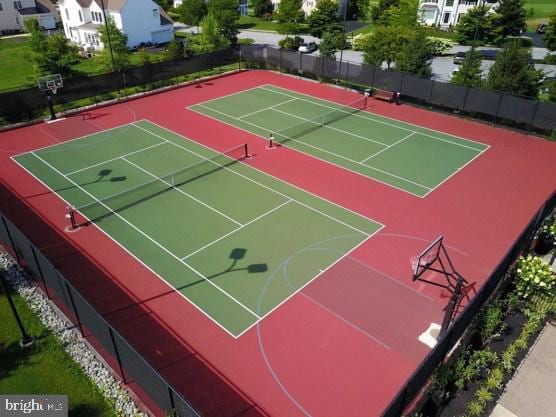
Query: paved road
[[442, 67]]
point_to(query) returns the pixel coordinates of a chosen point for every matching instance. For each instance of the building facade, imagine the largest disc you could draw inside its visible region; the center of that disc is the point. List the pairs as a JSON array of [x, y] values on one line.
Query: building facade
[[143, 21], [14, 13], [446, 13]]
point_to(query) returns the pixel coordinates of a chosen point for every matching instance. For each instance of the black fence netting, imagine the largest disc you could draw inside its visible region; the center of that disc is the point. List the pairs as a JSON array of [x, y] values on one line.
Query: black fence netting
[[133, 368], [482, 101], [436, 356], [29, 104]]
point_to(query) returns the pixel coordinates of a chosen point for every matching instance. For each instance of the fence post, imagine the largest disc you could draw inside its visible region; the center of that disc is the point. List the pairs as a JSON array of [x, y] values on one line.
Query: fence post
[[280, 60], [534, 115], [118, 359], [373, 77], [430, 92], [40, 271], [347, 76], [501, 96], [74, 309], [172, 403], [17, 258]]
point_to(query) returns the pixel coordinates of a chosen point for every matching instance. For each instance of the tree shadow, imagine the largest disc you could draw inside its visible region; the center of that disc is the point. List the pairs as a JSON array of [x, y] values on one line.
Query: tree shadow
[[13, 356], [85, 410]]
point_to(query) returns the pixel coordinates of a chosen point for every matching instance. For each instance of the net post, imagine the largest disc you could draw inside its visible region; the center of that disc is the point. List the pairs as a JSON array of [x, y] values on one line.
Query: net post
[[71, 215], [245, 151]]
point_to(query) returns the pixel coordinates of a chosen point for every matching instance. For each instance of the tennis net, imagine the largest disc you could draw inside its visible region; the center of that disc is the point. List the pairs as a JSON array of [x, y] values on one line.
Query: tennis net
[[99, 209], [307, 126]]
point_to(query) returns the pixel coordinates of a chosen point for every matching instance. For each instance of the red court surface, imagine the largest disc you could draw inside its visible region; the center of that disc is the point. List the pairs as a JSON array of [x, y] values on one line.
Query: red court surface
[[347, 342]]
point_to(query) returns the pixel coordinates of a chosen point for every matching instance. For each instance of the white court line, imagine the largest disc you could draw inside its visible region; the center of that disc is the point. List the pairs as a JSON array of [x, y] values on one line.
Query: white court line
[[267, 108], [273, 177], [367, 114], [325, 151], [74, 139], [345, 168], [148, 237], [268, 188], [382, 150], [182, 192], [113, 159], [331, 127], [238, 229]]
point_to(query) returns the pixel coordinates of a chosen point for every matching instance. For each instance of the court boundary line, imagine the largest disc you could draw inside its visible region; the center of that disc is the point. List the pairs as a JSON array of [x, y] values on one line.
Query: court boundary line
[[72, 140], [54, 193], [114, 159], [259, 318], [369, 113], [385, 149], [173, 187], [266, 108], [304, 153], [321, 150], [328, 126], [266, 213], [133, 226]]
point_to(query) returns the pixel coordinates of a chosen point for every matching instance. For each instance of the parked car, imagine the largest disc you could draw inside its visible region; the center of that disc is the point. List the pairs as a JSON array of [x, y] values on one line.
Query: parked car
[[307, 47], [459, 57], [485, 54]]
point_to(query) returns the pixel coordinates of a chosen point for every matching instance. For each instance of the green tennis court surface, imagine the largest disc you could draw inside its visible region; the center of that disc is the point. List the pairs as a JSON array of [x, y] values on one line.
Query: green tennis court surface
[[408, 157], [219, 232]]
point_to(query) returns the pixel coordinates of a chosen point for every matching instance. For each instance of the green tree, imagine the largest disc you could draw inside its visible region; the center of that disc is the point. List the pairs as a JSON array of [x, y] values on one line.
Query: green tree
[[469, 73], [226, 14], [175, 50], [262, 7], [118, 40], [551, 90], [358, 9], [53, 54], [324, 18], [58, 57], [376, 11], [290, 16], [476, 23], [384, 45], [513, 73], [328, 45], [37, 40], [510, 18], [549, 36], [414, 56], [143, 57], [192, 11], [165, 4], [211, 38], [404, 14]]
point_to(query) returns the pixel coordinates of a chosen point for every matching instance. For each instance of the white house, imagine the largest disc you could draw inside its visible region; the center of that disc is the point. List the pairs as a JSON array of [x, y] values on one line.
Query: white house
[[309, 5], [14, 13], [446, 13], [141, 20]]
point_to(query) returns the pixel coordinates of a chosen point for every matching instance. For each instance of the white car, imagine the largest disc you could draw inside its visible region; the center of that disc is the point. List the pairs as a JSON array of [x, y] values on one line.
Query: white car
[[307, 47]]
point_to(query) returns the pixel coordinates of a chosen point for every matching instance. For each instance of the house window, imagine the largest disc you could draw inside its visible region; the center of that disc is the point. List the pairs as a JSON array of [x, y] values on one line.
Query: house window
[[446, 18], [155, 12], [80, 15], [67, 14], [17, 5], [449, 3], [1, 8]]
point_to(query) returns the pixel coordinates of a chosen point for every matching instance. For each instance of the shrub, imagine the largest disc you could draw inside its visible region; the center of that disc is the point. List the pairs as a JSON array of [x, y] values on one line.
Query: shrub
[[475, 408], [290, 43], [550, 59], [491, 322], [495, 379], [534, 278], [360, 41], [439, 46], [483, 395], [524, 41]]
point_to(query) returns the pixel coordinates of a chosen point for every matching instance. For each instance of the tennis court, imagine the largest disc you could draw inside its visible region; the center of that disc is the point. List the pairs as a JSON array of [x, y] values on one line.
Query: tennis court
[[216, 230], [411, 158]]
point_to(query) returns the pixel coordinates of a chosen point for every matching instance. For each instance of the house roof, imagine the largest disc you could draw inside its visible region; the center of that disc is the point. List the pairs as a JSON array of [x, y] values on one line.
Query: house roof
[[164, 18], [108, 4], [42, 6]]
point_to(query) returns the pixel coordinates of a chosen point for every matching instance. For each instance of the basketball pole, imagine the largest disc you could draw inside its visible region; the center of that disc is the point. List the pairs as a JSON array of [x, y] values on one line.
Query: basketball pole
[[25, 340], [50, 105]]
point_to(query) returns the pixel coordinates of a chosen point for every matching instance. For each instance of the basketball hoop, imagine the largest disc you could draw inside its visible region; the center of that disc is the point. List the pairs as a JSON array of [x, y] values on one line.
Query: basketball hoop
[[50, 85]]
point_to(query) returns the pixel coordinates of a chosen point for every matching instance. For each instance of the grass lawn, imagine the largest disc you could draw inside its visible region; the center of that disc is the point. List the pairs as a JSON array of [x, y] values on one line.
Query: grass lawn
[[44, 368], [252, 22], [15, 71], [538, 12]]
